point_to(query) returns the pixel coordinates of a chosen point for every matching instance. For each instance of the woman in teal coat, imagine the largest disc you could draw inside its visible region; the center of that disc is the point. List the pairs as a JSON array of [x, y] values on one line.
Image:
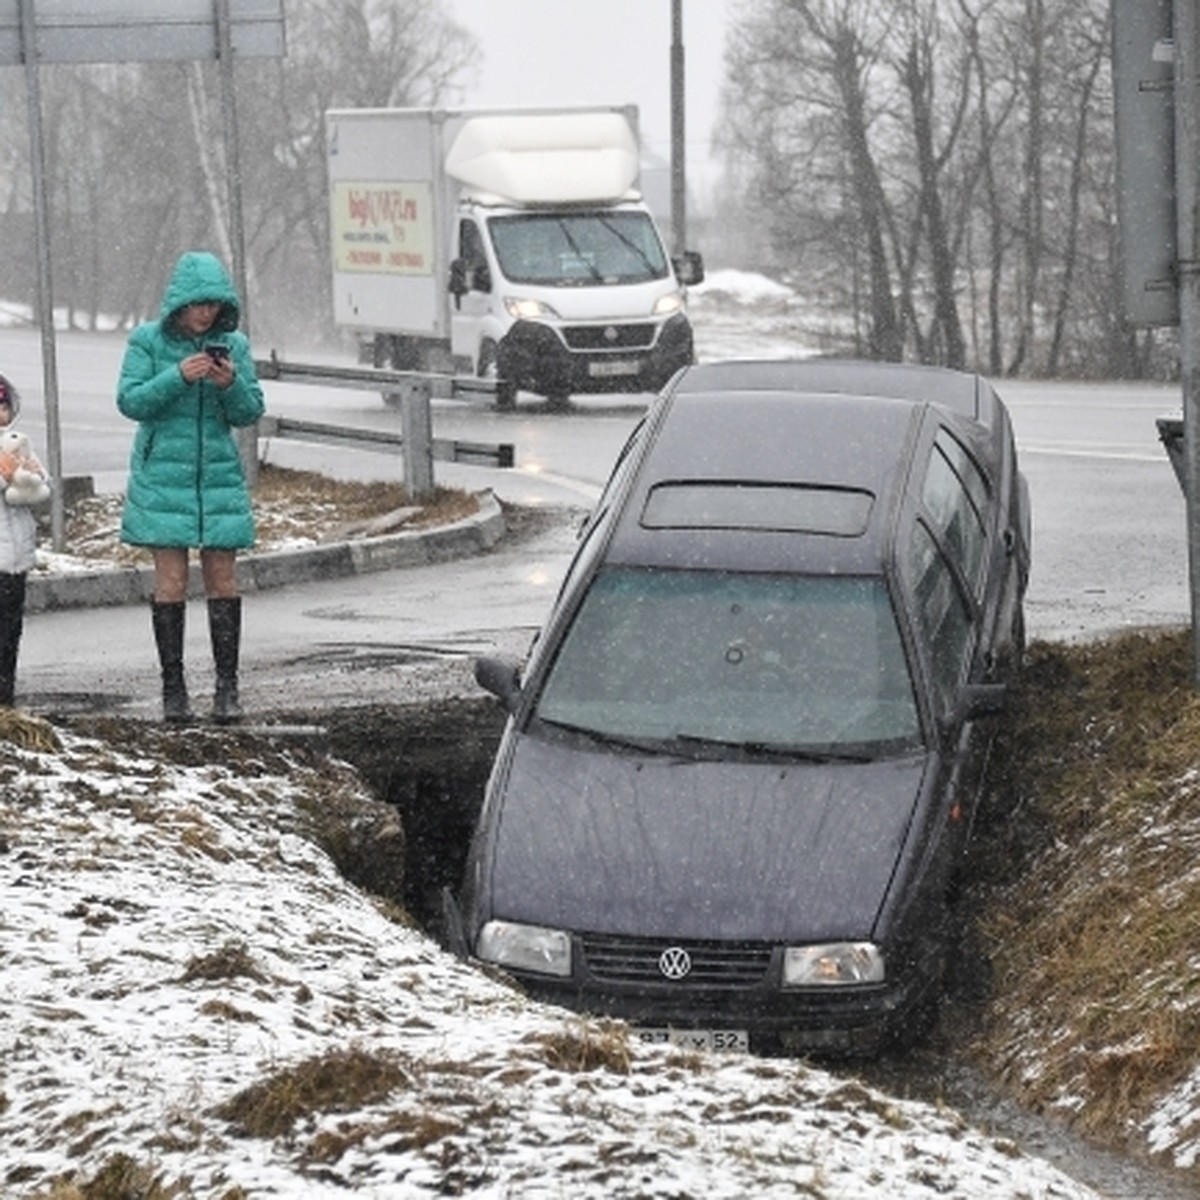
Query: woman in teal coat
[[188, 379]]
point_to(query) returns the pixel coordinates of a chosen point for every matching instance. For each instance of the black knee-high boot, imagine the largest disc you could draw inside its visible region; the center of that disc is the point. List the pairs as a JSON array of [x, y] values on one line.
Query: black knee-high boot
[[225, 632], [12, 619], [168, 621]]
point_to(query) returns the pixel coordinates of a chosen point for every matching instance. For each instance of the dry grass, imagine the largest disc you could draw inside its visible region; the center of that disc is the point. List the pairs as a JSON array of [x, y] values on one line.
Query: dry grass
[[310, 498], [340, 1081], [27, 731], [1092, 907], [122, 1178], [232, 961], [587, 1046], [288, 506]]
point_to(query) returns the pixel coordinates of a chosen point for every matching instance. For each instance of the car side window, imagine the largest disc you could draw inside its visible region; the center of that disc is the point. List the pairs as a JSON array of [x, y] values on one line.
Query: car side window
[[943, 611], [955, 495]]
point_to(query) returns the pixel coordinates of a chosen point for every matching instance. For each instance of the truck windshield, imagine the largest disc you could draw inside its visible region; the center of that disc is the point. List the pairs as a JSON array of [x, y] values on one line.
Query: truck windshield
[[578, 249], [780, 661]]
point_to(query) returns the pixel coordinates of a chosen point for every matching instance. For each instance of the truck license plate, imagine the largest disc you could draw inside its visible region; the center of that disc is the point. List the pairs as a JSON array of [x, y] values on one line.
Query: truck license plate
[[615, 367], [696, 1039]]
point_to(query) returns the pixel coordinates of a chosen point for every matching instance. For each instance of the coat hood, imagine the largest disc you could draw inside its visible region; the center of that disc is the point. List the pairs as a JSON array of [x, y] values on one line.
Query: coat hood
[[198, 276], [14, 397], [660, 847]]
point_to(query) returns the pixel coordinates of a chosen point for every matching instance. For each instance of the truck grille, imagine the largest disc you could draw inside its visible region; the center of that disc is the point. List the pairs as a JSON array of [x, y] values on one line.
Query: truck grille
[[609, 337], [712, 964]]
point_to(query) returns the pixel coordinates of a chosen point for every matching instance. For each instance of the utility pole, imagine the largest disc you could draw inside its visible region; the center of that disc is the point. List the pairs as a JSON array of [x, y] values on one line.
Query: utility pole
[[1156, 59], [1187, 197], [45, 292]]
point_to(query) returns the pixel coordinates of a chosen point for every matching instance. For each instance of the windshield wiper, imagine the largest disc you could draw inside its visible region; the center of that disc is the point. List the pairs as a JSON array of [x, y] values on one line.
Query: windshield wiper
[[604, 737], [818, 754], [630, 245], [579, 254]]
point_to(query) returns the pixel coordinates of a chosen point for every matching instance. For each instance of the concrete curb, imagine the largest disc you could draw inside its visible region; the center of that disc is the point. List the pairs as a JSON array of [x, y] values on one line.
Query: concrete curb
[[278, 568]]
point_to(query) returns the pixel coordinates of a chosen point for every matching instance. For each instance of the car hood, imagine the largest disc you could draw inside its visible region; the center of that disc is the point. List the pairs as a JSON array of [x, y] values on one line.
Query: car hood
[[672, 847]]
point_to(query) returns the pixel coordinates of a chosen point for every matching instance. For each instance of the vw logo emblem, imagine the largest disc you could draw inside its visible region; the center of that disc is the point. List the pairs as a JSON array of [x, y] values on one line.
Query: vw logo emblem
[[610, 333], [675, 962]]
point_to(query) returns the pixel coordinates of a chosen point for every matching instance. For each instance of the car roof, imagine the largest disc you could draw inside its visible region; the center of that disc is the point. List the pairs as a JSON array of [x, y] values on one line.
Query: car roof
[[815, 439], [967, 394], [818, 423]]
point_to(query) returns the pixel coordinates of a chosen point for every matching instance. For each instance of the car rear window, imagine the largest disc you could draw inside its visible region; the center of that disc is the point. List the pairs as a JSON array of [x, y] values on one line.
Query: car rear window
[[784, 508]]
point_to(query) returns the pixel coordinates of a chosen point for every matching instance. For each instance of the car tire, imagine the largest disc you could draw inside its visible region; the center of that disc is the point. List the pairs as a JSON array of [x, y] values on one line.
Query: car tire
[[489, 368]]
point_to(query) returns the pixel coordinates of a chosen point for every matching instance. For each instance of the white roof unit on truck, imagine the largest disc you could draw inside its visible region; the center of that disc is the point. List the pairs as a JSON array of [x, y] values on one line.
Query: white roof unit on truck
[[548, 158], [511, 243]]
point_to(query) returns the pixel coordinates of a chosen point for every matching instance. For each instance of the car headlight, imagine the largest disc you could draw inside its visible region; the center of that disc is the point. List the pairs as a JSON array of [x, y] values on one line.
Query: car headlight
[[835, 964], [525, 947], [664, 306], [521, 308]]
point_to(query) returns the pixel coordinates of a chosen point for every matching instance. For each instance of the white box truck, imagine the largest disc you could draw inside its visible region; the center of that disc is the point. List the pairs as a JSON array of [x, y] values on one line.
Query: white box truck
[[505, 243]]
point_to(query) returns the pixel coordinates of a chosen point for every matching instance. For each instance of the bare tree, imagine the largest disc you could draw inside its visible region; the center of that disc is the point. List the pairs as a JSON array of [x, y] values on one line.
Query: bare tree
[[920, 83], [136, 158], [950, 154]]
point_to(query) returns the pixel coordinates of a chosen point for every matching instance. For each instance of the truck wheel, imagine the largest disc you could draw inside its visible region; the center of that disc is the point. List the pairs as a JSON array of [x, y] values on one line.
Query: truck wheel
[[406, 354], [489, 368]]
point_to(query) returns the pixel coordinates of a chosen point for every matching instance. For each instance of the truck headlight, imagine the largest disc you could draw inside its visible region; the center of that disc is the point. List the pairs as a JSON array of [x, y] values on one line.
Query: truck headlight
[[521, 308], [664, 306], [835, 964], [525, 947]]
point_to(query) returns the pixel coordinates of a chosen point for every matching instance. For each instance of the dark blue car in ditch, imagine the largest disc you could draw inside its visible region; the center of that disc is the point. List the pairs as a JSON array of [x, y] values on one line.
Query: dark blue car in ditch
[[734, 795]]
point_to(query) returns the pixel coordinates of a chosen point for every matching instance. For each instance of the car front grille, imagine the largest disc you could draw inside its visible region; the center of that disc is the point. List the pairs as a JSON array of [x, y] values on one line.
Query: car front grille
[[635, 961], [609, 337]]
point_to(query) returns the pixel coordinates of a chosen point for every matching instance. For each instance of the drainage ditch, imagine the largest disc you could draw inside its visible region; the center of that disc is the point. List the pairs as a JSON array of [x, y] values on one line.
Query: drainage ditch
[[431, 762]]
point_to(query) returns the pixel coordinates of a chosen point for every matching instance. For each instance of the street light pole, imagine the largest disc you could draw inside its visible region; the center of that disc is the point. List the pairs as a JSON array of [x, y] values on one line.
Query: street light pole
[[678, 142]]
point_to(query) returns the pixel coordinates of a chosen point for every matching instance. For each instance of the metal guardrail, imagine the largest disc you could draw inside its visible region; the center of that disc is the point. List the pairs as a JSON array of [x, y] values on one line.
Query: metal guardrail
[[373, 379], [483, 454], [412, 392]]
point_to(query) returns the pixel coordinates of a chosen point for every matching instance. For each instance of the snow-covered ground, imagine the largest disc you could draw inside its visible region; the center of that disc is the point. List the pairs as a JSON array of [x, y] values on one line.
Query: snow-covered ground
[[171, 939]]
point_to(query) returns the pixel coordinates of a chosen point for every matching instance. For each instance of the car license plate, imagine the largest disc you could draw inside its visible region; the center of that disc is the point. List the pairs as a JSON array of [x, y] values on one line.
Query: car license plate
[[615, 367], [696, 1039]]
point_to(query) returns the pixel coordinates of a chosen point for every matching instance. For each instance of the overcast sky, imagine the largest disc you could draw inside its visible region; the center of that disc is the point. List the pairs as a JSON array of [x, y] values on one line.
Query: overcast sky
[[603, 51]]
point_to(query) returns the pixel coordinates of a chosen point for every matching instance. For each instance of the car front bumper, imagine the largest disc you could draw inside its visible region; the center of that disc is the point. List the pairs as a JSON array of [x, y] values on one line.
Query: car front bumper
[[624, 356], [850, 1020]]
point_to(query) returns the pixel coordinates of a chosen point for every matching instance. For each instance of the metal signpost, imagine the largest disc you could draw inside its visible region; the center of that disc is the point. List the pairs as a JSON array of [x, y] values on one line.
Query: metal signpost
[[1156, 56], [36, 32]]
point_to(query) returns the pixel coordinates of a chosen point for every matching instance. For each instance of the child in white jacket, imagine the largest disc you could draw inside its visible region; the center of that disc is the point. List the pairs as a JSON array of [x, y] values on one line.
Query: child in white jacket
[[18, 537]]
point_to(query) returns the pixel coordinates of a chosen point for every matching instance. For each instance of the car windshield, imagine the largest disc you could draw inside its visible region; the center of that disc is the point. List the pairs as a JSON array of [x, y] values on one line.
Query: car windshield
[[576, 249], [766, 662]]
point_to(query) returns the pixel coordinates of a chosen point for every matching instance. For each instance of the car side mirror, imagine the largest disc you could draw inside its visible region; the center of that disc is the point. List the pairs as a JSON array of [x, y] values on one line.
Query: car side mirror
[[457, 283], [468, 275], [689, 267], [502, 679], [978, 700]]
